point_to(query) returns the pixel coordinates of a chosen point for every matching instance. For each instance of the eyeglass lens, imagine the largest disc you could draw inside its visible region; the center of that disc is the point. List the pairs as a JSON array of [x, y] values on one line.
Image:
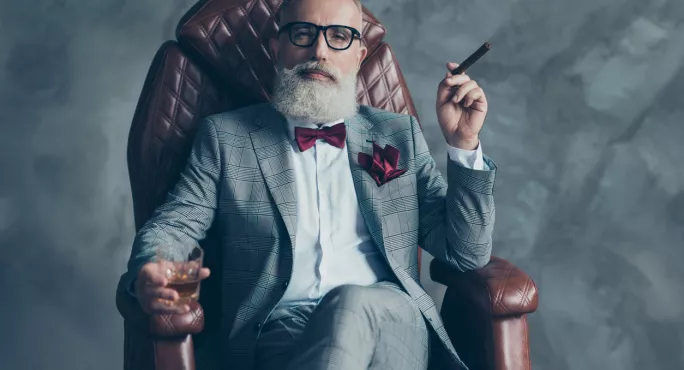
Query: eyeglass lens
[[305, 35]]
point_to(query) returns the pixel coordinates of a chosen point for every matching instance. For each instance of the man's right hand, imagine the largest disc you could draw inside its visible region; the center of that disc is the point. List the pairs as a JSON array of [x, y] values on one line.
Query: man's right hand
[[152, 293]]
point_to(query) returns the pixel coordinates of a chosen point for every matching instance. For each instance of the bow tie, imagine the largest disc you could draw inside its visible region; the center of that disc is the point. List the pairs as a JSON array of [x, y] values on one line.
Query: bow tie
[[306, 137]]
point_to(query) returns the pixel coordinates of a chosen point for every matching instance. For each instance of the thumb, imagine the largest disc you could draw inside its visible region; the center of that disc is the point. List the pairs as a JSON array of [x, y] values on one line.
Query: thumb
[[450, 67], [204, 273]]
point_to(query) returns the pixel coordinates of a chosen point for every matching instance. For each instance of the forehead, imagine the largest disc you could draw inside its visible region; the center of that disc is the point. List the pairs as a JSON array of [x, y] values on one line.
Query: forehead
[[324, 12]]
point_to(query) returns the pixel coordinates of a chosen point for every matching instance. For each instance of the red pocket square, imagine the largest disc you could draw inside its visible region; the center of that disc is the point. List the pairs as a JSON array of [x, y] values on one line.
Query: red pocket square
[[382, 166]]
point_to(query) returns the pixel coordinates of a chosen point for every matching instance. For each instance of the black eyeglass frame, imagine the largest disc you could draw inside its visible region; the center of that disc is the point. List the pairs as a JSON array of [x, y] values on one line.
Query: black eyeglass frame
[[288, 27]]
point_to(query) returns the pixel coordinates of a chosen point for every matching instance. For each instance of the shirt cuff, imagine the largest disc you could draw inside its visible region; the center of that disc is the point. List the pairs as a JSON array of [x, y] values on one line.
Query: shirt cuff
[[472, 159]]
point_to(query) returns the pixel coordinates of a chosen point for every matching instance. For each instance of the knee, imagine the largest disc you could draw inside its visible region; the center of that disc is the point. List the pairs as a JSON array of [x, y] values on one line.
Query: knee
[[350, 297], [374, 305]]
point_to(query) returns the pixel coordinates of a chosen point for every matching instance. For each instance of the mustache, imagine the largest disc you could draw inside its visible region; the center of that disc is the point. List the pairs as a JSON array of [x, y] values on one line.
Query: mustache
[[315, 66]]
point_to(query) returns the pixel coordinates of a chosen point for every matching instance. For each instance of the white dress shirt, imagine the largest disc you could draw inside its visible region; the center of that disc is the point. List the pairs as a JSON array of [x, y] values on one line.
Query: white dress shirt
[[333, 246]]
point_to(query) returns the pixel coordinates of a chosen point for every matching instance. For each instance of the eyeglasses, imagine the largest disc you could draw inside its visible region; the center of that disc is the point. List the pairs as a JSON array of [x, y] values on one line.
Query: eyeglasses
[[304, 34]]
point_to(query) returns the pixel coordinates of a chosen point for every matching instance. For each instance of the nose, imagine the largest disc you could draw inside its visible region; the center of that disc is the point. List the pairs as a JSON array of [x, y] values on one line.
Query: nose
[[320, 48]]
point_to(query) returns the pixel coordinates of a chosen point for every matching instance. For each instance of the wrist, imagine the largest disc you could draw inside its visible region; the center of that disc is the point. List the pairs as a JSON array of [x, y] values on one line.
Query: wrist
[[464, 143]]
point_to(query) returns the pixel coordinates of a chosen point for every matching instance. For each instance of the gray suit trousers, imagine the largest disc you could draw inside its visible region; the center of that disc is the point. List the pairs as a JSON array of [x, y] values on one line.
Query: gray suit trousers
[[351, 328]]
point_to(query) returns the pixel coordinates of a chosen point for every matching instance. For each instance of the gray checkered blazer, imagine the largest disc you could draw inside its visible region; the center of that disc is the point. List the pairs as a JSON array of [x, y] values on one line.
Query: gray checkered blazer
[[239, 176]]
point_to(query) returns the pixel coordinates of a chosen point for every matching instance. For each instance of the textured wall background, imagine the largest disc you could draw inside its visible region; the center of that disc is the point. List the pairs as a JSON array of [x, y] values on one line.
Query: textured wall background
[[585, 125]]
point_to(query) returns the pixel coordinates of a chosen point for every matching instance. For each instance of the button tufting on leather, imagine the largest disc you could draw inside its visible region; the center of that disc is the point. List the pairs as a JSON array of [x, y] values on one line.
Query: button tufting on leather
[[233, 38]]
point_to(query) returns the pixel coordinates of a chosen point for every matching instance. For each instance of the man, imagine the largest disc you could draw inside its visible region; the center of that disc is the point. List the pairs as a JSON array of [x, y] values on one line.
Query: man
[[319, 243]]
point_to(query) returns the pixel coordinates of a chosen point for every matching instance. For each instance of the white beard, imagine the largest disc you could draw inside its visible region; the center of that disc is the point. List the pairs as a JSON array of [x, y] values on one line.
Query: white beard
[[314, 100]]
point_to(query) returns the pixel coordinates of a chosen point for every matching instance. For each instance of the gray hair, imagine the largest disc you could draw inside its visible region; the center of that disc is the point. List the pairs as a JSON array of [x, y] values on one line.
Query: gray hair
[[286, 4], [312, 100]]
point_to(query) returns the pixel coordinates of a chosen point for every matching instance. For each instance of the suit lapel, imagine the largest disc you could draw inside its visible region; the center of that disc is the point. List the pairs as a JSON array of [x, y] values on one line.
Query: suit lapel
[[273, 150], [359, 139]]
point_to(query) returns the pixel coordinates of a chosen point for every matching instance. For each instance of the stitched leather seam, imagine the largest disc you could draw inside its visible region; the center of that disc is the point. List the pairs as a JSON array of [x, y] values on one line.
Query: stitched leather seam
[[502, 289]]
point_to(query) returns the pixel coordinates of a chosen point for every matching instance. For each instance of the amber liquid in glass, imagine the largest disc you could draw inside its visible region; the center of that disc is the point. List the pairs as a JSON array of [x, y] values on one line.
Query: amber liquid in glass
[[186, 287]]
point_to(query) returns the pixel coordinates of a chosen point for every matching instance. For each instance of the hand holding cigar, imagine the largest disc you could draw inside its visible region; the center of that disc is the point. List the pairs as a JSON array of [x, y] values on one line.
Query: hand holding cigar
[[462, 104]]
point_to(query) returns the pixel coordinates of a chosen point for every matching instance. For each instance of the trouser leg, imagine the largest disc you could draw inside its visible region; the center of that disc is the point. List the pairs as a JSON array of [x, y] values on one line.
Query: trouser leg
[[360, 328], [279, 335]]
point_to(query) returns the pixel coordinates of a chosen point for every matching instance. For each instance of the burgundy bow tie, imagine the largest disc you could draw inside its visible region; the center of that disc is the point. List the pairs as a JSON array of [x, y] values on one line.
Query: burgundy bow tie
[[306, 137]]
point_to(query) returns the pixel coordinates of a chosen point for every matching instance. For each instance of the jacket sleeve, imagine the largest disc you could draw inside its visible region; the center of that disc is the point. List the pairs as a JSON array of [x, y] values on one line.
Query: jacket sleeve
[[457, 217], [189, 208]]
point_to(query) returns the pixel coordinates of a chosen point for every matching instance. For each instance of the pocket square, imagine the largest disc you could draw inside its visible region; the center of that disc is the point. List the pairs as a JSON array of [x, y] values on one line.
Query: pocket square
[[382, 166]]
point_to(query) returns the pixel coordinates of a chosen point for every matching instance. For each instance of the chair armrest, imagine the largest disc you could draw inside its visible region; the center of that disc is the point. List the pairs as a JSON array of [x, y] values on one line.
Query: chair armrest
[[511, 291], [484, 313], [158, 342], [160, 326]]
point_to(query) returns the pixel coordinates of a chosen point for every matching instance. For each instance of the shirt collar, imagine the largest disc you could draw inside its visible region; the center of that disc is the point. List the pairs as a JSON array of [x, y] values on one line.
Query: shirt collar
[[294, 122]]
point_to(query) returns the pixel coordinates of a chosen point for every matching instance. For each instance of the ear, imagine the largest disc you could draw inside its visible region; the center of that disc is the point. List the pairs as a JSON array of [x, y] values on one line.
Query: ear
[[274, 44], [363, 52]]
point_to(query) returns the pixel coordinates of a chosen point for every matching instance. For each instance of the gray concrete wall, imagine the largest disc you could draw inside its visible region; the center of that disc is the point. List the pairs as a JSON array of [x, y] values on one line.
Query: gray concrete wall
[[585, 124]]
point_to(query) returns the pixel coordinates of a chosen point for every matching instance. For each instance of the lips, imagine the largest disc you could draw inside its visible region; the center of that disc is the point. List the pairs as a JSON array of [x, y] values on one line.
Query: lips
[[317, 74]]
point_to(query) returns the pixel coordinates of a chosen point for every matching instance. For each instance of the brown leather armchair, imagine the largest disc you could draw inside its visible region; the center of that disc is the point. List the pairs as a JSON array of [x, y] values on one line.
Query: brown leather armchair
[[219, 62]]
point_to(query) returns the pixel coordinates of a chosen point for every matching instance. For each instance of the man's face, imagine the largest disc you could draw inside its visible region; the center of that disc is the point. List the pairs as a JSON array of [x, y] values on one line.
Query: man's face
[[318, 83], [322, 13]]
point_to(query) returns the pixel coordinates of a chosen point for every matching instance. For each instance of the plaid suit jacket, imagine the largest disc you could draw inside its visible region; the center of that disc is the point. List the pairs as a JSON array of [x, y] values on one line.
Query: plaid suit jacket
[[239, 179]]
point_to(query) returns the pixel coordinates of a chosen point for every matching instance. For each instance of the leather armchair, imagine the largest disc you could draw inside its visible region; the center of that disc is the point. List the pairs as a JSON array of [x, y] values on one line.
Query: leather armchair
[[220, 61]]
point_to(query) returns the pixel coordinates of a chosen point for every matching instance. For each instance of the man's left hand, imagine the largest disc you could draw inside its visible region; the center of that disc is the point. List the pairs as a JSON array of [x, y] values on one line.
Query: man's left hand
[[461, 109]]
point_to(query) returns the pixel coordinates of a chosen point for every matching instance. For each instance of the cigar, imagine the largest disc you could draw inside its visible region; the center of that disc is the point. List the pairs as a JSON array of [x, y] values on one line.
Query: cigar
[[474, 57]]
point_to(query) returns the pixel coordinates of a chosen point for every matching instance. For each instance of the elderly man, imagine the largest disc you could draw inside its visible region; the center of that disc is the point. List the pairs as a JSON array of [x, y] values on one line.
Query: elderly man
[[321, 206]]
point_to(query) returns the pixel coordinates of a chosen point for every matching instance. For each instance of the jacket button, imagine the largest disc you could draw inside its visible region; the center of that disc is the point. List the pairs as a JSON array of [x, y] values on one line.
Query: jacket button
[[285, 284], [257, 327]]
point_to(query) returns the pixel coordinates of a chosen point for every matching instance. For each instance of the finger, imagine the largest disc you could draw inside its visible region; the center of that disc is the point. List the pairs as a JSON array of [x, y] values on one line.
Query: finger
[[161, 293], [160, 306], [151, 274], [156, 279], [473, 96], [204, 273], [451, 66], [455, 80], [445, 90], [464, 89]]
